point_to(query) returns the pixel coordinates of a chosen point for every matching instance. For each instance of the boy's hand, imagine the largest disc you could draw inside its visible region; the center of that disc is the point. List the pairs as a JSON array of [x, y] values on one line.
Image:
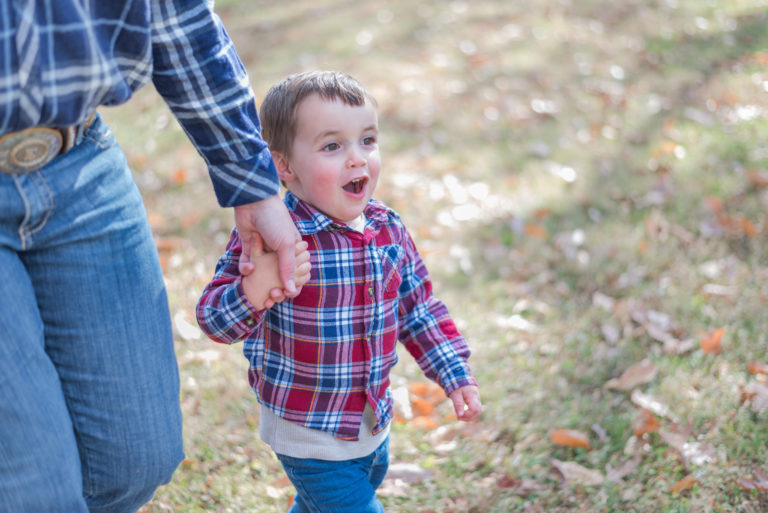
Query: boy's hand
[[300, 277], [268, 221], [263, 286], [466, 403]]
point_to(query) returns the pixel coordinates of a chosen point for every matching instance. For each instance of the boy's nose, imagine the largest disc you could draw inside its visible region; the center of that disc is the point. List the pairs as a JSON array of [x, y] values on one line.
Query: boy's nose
[[355, 159]]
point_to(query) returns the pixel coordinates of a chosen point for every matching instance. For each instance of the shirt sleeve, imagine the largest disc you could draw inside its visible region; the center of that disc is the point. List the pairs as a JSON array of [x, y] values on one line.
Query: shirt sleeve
[[223, 311], [426, 327], [199, 74]]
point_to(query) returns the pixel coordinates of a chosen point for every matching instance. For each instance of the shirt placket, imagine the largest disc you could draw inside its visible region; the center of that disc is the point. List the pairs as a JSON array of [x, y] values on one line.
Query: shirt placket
[[372, 307]]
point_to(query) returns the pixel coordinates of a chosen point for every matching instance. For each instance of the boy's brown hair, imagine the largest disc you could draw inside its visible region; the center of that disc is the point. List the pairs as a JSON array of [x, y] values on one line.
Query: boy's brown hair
[[278, 110]]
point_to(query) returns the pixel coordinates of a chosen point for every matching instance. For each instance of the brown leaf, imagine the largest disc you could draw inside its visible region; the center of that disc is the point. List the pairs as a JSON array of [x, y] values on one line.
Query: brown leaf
[[573, 473], [758, 178], [759, 482], [685, 483], [748, 227], [757, 393], [570, 438], [697, 453], [627, 468], [645, 422], [638, 374], [422, 407], [710, 342], [535, 230], [506, 481], [425, 423], [756, 367]]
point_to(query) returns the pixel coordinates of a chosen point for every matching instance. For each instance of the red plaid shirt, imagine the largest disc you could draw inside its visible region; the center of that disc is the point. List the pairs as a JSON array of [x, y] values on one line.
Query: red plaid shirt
[[318, 358]]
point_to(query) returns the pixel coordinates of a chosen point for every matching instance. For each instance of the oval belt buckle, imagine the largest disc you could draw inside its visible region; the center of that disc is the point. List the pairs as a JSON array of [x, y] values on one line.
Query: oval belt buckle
[[29, 150]]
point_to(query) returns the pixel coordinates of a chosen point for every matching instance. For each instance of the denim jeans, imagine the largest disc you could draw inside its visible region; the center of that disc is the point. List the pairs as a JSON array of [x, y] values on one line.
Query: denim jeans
[[89, 387], [347, 486]]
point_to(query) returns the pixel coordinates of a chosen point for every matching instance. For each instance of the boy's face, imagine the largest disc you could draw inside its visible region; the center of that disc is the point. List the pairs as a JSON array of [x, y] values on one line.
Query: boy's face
[[334, 163]]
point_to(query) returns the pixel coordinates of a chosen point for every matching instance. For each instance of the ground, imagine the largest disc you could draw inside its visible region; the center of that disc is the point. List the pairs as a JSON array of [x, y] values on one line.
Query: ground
[[588, 183]]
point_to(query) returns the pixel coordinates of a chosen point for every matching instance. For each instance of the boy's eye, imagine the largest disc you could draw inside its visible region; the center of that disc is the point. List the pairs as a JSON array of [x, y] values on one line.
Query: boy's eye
[[369, 140], [331, 146]]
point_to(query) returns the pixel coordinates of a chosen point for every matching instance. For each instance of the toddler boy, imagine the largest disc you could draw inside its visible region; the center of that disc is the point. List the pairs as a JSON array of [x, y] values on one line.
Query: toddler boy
[[320, 362]]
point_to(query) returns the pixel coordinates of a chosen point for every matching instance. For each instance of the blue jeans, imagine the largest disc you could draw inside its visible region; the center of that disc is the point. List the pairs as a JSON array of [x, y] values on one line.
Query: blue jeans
[[347, 486], [89, 393]]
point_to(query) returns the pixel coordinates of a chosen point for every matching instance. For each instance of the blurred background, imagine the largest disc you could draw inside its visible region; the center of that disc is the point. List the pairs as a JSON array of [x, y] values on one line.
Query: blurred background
[[588, 184]]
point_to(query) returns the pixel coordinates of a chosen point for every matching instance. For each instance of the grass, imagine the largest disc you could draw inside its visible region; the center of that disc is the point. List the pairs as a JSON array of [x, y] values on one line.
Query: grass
[[566, 168]]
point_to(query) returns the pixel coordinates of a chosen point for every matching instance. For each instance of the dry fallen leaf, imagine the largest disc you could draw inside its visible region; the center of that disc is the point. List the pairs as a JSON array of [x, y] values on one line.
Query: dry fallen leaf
[[570, 438], [573, 473], [685, 483], [756, 367], [638, 374], [651, 404], [689, 452], [759, 481], [424, 423], [645, 422], [627, 468], [757, 393], [710, 342], [536, 230]]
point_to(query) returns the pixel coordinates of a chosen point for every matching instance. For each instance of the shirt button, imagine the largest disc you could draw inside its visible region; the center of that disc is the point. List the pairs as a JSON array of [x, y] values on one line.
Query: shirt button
[[370, 291], [250, 322]]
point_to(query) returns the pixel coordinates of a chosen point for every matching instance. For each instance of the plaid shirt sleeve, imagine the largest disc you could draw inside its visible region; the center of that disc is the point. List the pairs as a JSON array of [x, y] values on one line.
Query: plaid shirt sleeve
[[426, 328], [223, 310], [203, 81]]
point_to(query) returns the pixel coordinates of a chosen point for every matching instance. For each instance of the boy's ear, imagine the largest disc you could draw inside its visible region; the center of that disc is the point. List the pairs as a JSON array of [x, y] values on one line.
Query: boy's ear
[[283, 168]]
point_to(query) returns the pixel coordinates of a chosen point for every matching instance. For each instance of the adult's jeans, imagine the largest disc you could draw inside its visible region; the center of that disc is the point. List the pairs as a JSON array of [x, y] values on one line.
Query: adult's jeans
[[89, 388], [347, 486]]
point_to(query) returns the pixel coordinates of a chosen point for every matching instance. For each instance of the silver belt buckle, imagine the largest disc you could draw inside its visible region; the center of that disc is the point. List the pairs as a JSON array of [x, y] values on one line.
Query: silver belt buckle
[[29, 150]]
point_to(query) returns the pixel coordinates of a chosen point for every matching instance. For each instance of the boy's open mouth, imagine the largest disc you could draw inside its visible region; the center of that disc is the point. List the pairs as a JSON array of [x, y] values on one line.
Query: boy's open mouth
[[356, 186]]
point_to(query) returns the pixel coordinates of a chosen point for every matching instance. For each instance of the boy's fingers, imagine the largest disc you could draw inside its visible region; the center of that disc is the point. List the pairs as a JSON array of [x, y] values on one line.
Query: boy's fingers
[[257, 245], [287, 265]]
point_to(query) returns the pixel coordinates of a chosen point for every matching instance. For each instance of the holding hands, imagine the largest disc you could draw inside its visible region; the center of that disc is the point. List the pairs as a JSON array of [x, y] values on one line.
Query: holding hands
[[263, 285]]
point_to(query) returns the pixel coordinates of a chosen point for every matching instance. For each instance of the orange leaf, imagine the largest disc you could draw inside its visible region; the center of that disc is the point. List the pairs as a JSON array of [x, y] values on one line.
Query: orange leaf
[[535, 230], [424, 422], [685, 483], [710, 342], [715, 204], [179, 176], [570, 438], [748, 227], [422, 407], [645, 422], [756, 367], [664, 148], [757, 178], [418, 388], [761, 58]]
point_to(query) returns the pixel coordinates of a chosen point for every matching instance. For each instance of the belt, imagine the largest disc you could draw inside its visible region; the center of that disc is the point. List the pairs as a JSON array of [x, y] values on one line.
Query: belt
[[29, 150]]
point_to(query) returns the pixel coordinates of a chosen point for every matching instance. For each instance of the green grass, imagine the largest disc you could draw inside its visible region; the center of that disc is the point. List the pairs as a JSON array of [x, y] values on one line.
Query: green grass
[[652, 108]]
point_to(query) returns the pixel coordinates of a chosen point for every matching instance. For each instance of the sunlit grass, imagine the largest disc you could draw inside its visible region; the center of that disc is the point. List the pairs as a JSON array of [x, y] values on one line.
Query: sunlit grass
[[560, 165]]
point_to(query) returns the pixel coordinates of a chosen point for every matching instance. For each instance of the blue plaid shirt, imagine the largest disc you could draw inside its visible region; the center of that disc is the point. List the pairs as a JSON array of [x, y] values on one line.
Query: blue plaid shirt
[[61, 59]]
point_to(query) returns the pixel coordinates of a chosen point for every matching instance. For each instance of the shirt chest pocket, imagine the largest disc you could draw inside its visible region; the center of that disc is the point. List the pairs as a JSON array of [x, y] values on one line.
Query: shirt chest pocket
[[390, 258]]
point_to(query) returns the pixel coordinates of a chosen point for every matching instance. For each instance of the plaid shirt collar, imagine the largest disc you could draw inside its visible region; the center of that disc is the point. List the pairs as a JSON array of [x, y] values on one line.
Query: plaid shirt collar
[[310, 221]]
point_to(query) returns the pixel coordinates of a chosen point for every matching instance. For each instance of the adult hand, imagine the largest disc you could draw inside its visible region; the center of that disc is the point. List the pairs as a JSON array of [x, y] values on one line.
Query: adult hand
[[268, 219]]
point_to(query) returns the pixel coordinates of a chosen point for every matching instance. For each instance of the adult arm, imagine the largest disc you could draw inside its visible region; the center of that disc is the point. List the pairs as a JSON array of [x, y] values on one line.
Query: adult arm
[[202, 79]]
